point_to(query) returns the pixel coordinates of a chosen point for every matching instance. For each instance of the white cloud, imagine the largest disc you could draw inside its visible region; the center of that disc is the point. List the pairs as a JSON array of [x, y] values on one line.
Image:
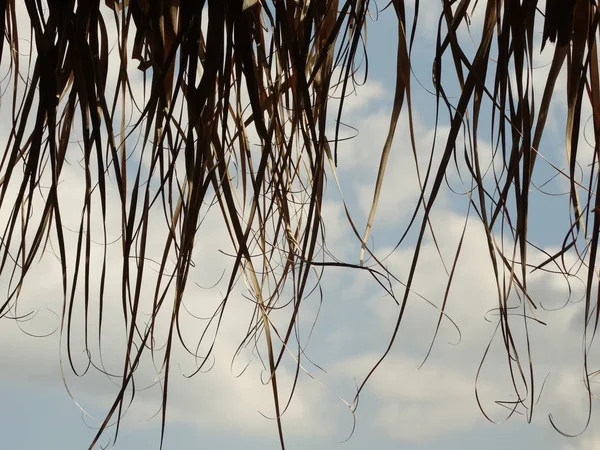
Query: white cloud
[[439, 397], [418, 405]]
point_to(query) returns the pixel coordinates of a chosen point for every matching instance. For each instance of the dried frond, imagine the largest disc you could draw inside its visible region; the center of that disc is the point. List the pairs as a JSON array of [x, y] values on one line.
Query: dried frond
[[233, 116]]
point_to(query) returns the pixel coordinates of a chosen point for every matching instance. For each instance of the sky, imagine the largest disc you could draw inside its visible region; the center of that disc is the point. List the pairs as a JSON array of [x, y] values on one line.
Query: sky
[[405, 404]]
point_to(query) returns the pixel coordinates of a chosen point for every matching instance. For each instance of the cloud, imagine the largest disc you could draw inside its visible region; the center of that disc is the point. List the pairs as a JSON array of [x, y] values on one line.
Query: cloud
[[439, 397], [417, 405], [215, 400]]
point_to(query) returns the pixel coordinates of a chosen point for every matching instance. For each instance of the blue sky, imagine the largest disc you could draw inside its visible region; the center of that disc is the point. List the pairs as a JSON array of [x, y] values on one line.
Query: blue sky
[[433, 407]]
